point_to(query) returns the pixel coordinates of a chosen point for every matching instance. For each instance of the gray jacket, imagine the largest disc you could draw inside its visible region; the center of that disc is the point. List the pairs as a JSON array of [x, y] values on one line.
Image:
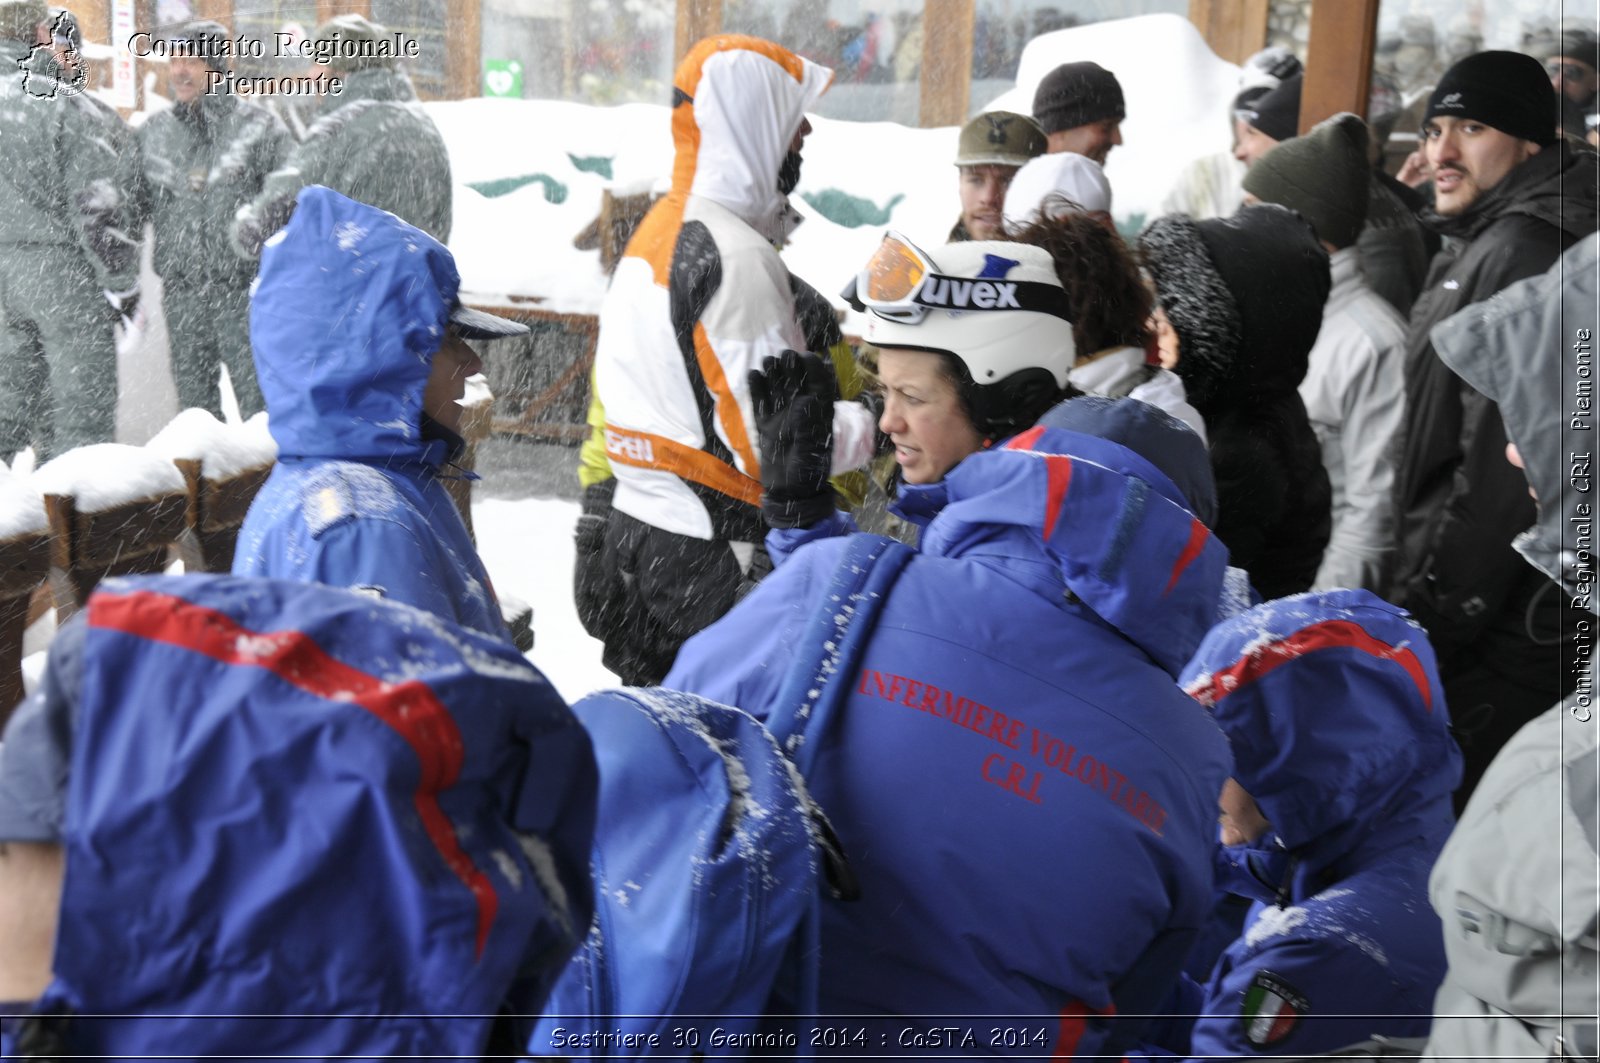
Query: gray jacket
[[374, 143], [1354, 393], [1516, 883]]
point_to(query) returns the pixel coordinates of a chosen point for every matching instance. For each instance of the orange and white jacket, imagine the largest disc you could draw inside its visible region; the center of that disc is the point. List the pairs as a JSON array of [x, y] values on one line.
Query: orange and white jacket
[[701, 297]]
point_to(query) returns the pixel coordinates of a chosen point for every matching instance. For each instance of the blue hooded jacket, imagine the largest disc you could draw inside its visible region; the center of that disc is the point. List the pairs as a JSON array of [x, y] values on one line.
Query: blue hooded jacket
[[350, 306], [1025, 795], [330, 826], [1339, 729]]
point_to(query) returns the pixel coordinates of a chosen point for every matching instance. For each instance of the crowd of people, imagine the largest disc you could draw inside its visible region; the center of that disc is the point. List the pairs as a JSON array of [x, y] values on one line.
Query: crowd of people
[[1240, 573]]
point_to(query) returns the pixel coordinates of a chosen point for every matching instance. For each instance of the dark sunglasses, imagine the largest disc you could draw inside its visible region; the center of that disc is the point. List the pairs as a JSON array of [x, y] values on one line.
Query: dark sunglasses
[[1569, 71]]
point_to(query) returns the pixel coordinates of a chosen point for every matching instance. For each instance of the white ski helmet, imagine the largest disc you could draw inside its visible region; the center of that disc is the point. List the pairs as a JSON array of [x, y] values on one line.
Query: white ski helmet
[[997, 308]]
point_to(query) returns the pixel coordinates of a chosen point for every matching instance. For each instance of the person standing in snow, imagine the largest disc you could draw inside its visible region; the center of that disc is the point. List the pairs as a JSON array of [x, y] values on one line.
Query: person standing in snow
[[1109, 303], [69, 260], [360, 343], [1080, 108], [1354, 388], [1208, 187], [1238, 307], [1343, 765], [372, 141], [1510, 196], [698, 299], [990, 150], [1521, 866], [1394, 246], [1015, 710], [195, 164]]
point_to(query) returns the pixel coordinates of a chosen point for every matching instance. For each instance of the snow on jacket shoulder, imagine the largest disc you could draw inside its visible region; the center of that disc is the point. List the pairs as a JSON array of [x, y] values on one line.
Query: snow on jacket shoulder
[[1334, 711], [700, 298], [335, 807], [1354, 393], [356, 499], [1026, 797]]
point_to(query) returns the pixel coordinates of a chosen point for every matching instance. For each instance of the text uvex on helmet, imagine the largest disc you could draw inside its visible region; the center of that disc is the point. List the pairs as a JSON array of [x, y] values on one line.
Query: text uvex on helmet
[[996, 308]]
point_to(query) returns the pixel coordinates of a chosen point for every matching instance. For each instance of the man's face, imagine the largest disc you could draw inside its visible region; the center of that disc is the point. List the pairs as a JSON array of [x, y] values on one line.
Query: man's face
[[447, 382], [1250, 143], [1468, 159], [1574, 78], [186, 75], [983, 194], [1094, 140]]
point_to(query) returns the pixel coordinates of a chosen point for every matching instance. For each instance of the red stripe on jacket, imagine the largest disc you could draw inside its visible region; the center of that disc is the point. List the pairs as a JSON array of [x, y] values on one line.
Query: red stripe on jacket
[[410, 708]]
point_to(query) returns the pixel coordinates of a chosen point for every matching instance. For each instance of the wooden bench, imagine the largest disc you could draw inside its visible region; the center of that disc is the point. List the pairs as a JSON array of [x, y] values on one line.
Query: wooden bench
[[96, 529], [223, 466], [24, 565]]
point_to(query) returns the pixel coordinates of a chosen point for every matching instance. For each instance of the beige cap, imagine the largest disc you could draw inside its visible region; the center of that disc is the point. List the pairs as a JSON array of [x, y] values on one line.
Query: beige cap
[[999, 138]]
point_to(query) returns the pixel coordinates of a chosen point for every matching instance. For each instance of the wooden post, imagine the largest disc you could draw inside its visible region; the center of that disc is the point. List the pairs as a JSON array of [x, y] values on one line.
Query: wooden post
[[463, 50], [1339, 60], [1235, 29], [946, 81], [697, 19]]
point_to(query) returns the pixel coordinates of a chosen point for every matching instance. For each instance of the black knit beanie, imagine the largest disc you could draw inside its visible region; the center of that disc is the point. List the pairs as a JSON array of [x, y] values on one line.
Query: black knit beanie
[[1322, 175], [1076, 94], [1277, 112], [1507, 91]]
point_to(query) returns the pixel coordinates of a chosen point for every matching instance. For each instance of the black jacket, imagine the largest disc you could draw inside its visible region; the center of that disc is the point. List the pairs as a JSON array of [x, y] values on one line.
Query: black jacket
[[1245, 295], [1459, 503]]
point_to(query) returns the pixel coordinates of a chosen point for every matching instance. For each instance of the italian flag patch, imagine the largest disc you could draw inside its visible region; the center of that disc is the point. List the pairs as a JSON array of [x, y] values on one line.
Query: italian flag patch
[[1272, 1008]]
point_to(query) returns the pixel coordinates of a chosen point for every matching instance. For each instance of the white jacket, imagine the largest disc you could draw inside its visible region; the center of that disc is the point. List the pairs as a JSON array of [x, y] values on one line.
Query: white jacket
[[1354, 393], [701, 297]]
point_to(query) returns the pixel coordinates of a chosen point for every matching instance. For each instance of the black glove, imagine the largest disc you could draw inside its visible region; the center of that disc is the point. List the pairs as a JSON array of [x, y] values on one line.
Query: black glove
[[793, 398], [594, 588], [591, 529]]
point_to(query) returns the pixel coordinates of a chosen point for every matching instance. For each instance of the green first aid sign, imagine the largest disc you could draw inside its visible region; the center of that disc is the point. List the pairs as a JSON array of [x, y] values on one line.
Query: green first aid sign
[[502, 77]]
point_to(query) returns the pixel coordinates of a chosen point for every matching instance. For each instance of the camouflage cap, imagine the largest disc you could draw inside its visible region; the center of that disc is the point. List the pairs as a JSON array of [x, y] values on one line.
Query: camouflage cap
[[999, 138], [205, 40], [19, 19], [339, 41]]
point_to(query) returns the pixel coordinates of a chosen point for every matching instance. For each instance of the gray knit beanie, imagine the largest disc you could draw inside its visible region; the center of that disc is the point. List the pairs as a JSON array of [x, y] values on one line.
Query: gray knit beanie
[[1322, 175]]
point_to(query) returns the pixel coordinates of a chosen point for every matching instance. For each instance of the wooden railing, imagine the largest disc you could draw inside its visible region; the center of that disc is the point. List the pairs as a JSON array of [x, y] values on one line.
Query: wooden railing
[[196, 519]]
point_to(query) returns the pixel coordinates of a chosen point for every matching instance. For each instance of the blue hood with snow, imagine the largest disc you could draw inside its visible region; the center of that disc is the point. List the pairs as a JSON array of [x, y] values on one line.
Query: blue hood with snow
[[1333, 706], [1014, 736], [350, 306], [1077, 514]]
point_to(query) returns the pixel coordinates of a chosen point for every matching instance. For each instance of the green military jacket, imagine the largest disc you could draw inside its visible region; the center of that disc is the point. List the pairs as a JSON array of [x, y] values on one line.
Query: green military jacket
[[372, 142], [194, 168], [60, 184]]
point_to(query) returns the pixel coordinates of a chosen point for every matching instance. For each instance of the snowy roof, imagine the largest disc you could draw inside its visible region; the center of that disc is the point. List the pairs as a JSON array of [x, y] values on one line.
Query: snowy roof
[[107, 475], [520, 242]]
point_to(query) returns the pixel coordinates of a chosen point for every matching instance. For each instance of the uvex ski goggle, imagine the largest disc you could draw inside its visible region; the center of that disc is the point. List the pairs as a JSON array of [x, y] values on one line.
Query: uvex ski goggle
[[901, 283]]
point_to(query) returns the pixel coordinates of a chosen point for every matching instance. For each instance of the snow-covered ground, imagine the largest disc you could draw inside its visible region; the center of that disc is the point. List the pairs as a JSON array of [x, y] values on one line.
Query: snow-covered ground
[[527, 547]]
